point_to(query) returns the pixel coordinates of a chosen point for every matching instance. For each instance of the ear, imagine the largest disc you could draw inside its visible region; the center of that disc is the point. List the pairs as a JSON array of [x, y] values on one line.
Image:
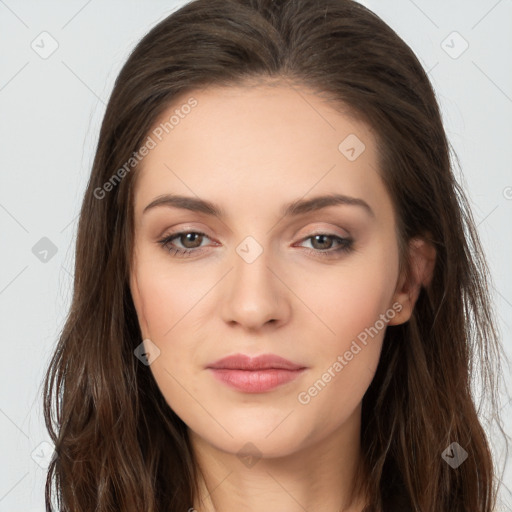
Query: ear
[[421, 258]]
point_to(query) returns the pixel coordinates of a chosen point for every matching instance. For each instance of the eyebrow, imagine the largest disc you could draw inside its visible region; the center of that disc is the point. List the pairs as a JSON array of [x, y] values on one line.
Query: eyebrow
[[294, 208]]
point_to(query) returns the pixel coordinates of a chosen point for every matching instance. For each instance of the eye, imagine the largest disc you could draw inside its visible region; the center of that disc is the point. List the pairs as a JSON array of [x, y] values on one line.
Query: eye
[[322, 244], [190, 243], [187, 243]]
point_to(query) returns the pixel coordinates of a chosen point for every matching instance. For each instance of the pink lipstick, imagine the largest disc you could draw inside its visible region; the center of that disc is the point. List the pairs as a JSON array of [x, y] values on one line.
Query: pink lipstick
[[255, 374]]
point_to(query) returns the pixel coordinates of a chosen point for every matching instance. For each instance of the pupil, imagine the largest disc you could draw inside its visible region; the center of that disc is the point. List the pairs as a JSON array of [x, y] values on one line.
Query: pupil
[[191, 238], [322, 239]]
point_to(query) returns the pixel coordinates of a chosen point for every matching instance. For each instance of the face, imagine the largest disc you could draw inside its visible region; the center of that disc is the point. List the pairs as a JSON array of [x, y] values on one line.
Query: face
[[251, 260]]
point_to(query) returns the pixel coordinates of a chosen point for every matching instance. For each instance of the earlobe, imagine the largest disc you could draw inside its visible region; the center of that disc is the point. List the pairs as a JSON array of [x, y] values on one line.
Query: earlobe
[[422, 258]]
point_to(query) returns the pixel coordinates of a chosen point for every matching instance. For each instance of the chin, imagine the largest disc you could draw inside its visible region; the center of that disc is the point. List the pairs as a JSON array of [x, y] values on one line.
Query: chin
[[256, 438]]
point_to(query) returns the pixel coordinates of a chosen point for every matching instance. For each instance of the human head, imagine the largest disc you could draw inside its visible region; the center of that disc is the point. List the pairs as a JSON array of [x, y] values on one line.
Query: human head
[[419, 397]]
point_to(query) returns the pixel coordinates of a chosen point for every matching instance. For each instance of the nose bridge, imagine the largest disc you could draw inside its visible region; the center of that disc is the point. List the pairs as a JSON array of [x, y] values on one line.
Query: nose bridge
[[253, 295]]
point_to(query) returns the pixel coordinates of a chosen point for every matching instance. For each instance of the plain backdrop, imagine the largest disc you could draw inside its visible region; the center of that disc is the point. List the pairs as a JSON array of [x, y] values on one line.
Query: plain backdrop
[[58, 64]]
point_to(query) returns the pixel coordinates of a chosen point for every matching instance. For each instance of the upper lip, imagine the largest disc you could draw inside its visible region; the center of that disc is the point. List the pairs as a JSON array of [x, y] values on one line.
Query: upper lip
[[262, 362]]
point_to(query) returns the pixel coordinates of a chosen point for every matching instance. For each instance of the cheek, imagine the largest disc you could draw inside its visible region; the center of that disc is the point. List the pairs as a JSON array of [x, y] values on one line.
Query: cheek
[[349, 297], [163, 298], [170, 304], [354, 302]]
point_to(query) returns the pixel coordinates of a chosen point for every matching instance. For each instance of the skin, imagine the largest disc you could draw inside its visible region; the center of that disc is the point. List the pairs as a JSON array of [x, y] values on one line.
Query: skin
[[251, 150]]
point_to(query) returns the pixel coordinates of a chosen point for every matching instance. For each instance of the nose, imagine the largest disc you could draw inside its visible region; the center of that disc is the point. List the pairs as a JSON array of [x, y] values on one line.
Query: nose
[[253, 296]]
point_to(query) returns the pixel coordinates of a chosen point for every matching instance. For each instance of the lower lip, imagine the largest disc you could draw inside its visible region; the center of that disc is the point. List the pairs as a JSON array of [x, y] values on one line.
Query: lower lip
[[256, 381]]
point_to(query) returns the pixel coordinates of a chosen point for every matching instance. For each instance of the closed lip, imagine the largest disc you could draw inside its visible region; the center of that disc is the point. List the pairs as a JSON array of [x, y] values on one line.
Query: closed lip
[[261, 362]]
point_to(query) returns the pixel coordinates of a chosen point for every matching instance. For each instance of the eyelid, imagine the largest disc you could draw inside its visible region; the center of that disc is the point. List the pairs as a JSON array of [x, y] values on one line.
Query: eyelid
[[309, 233], [325, 230], [173, 231], [180, 232]]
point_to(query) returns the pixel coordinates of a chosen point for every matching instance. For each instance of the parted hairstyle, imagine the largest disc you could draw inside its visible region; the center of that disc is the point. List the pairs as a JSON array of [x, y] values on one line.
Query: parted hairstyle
[[119, 447]]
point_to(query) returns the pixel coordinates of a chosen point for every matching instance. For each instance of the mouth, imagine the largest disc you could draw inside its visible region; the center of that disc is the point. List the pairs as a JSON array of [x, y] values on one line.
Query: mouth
[[255, 374]]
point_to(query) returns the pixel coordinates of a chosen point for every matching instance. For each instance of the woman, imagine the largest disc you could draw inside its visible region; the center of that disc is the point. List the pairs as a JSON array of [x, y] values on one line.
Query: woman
[[279, 290]]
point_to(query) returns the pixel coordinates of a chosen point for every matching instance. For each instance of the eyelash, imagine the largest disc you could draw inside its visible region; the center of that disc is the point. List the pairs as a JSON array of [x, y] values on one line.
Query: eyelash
[[346, 245]]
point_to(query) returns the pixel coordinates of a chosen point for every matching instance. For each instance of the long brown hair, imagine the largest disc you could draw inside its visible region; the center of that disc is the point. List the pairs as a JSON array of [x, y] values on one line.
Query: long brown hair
[[118, 445]]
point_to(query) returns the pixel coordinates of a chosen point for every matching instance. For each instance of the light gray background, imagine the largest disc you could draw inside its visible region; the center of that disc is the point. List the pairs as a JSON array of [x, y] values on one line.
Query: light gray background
[[50, 113]]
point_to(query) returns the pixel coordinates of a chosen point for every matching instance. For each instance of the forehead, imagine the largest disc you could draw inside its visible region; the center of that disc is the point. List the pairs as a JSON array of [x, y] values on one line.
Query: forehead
[[252, 145]]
